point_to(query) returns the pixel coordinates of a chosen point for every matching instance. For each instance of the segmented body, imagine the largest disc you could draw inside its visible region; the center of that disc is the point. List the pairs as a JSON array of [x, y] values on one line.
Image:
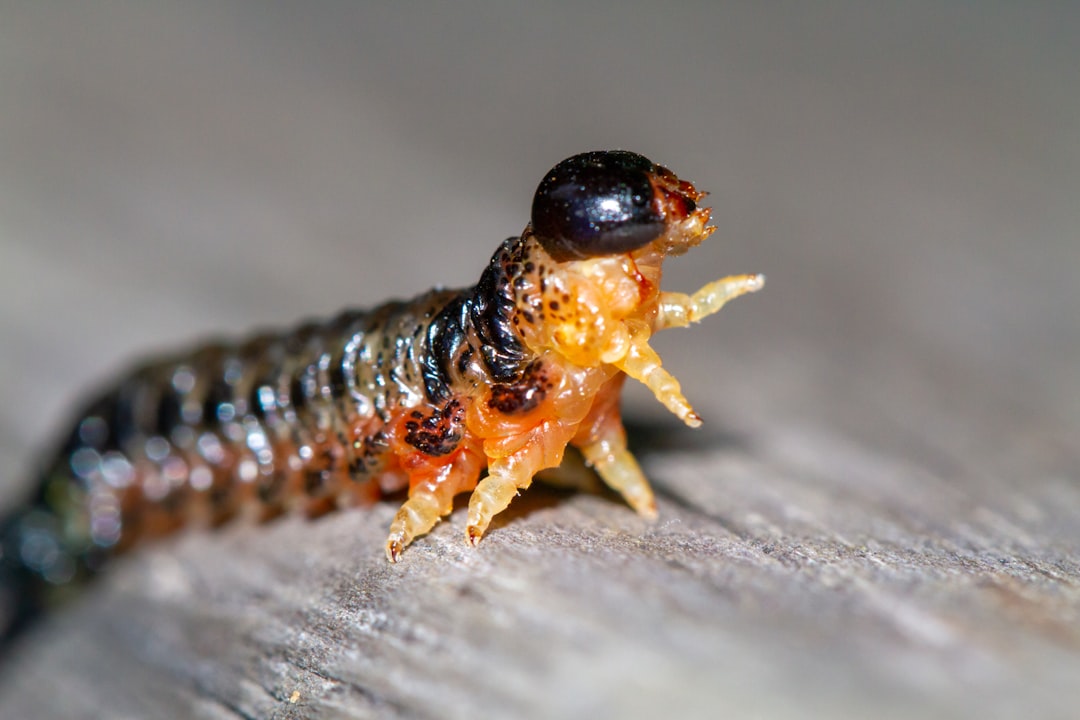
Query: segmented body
[[325, 413], [423, 394]]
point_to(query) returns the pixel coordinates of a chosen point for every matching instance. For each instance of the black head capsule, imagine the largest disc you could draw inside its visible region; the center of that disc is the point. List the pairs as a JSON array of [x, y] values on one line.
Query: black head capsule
[[597, 203]]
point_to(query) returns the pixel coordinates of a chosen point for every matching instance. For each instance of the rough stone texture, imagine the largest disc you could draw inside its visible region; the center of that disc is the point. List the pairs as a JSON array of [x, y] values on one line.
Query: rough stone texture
[[881, 517]]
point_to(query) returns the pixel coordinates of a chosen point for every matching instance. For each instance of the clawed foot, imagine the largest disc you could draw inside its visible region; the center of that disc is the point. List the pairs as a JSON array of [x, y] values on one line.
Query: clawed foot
[[416, 517]]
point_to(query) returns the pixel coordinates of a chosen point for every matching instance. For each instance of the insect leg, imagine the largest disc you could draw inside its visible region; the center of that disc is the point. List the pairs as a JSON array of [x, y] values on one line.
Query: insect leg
[[542, 449], [601, 438], [431, 497], [618, 468], [680, 309], [643, 364]]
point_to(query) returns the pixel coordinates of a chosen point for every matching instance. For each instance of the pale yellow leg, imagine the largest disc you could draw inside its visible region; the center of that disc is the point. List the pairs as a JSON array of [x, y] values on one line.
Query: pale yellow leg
[[430, 499], [620, 470], [417, 516], [493, 494], [644, 365], [680, 309], [507, 475]]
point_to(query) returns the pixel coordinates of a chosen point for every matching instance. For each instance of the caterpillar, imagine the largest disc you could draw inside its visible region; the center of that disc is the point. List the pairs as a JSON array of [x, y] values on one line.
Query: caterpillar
[[424, 394]]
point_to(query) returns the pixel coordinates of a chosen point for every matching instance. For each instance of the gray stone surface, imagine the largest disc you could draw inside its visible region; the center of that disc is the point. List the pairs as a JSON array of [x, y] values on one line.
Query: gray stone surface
[[881, 517]]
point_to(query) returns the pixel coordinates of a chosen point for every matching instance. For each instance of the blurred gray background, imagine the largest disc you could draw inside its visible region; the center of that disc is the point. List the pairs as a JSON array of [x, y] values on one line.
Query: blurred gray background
[[907, 176]]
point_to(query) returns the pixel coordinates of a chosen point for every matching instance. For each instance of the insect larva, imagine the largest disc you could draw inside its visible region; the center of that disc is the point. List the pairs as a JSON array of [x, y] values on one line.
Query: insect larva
[[423, 394]]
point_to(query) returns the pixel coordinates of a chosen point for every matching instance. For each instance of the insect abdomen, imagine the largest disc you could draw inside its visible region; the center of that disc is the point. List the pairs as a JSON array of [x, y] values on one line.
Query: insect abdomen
[[277, 420]]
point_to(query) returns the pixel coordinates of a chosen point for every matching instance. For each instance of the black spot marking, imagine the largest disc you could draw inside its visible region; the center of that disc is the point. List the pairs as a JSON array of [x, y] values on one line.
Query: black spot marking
[[438, 433], [524, 395]]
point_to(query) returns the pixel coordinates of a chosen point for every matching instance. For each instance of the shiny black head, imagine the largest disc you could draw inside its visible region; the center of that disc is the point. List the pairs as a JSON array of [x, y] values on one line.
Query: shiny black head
[[597, 203]]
